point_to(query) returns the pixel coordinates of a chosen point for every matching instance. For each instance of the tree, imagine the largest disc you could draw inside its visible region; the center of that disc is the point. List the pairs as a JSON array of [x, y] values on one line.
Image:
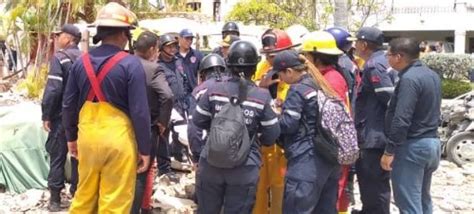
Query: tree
[[314, 14]]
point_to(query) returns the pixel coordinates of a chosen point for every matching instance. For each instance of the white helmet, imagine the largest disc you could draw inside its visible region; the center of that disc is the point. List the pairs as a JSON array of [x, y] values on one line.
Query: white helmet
[[296, 33]]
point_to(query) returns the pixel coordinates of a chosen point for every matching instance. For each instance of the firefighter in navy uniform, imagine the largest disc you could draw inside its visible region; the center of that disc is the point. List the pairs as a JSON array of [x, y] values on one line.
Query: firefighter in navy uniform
[[229, 29], [190, 57], [372, 100], [211, 70], [181, 88], [234, 189], [56, 146]]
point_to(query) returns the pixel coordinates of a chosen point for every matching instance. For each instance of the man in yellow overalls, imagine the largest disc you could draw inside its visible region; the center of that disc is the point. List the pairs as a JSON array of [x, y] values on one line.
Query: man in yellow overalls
[[106, 117], [272, 174]]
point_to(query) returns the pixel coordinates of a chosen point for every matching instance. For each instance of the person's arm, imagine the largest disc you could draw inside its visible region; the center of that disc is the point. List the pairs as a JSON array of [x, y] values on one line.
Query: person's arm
[[71, 102], [269, 127], [161, 87], [138, 107], [407, 98], [382, 84], [53, 89], [202, 115], [291, 112]]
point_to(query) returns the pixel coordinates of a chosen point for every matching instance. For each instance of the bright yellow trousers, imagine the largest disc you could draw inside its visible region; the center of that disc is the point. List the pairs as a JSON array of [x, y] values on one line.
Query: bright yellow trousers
[[107, 156], [272, 181]]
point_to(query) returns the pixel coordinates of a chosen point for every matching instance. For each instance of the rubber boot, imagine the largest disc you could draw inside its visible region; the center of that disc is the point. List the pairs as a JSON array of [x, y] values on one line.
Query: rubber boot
[[55, 201]]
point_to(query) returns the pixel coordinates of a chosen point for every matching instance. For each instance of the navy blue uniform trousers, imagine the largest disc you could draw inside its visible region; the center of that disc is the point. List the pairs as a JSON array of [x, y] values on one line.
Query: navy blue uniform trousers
[[374, 182], [56, 146], [234, 189]]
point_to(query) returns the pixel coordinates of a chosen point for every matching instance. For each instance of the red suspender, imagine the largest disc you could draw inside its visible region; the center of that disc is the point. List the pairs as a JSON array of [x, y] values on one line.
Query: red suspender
[[94, 80]]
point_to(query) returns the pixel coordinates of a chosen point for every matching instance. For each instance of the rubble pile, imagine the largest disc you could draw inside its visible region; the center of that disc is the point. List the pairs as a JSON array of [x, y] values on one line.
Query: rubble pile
[[175, 195], [9, 98]]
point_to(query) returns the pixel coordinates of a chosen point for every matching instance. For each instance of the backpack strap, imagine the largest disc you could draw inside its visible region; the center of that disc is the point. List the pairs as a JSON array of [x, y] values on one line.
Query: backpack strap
[[95, 80]]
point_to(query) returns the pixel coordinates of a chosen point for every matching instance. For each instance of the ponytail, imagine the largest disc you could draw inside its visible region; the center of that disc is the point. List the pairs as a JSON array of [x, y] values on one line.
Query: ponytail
[[318, 78]]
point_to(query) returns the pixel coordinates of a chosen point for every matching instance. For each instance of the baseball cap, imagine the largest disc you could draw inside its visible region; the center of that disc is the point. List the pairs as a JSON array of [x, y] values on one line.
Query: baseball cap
[[286, 59], [186, 33], [69, 29], [370, 34], [228, 40]]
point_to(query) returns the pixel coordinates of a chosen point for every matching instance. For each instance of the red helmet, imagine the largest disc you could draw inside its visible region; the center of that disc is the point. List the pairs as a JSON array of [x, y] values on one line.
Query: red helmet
[[275, 40]]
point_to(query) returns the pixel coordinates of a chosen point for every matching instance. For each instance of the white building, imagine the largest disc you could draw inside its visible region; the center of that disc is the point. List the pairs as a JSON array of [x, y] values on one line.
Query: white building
[[449, 21]]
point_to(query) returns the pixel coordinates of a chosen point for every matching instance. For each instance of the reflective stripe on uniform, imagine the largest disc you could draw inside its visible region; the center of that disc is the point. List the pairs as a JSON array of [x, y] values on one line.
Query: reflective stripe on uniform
[[200, 93], [253, 104], [270, 122], [218, 98], [294, 114], [311, 95], [384, 89], [64, 61], [203, 112], [55, 77]]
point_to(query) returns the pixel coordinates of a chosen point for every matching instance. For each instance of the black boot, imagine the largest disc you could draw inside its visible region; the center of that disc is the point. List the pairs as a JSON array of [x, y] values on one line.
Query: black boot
[[55, 201]]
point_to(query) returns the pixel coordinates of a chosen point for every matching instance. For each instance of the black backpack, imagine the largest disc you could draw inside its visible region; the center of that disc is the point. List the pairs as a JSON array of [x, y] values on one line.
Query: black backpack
[[228, 143]]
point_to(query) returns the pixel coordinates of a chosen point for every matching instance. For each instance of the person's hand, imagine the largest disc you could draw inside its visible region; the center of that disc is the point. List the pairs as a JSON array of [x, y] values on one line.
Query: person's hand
[[161, 129], [267, 81], [47, 125], [72, 148], [386, 162], [143, 163], [278, 103]]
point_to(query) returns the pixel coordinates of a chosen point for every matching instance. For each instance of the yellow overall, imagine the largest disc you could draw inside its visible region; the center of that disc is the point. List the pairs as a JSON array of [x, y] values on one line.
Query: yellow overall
[[272, 174], [107, 156]]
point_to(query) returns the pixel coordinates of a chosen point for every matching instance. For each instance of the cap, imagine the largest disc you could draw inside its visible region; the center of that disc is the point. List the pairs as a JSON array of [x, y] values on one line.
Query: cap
[[228, 40], [370, 34], [69, 29], [186, 33], [286, 59]]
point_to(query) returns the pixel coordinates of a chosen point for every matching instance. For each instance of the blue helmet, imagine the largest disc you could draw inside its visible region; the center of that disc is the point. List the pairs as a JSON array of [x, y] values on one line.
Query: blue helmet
[[343, 37]]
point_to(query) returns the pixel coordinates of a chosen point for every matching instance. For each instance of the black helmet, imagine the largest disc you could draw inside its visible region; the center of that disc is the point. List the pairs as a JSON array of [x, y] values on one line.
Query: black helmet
[[166, 39], [210, 61], [242, 53], [230, 27]]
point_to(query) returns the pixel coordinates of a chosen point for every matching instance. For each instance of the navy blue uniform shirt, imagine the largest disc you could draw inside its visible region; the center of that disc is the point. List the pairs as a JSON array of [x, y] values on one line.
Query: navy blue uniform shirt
[[124, 87], [373, 95], [414, 111], [59, 67], [191, 65], [298, 108], [259, 116]]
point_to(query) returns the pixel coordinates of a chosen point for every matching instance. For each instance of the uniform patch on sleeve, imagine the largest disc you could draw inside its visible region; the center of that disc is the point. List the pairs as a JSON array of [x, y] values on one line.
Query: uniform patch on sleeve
[[375, 79]]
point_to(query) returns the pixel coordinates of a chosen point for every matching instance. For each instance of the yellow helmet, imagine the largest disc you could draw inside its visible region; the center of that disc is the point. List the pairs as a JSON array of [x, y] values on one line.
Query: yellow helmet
[[321, 42], [115, 15]]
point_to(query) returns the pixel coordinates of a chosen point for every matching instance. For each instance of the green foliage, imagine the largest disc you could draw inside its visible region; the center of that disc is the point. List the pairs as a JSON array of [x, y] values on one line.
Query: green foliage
[[34, 82], [273, 13], [449, 66], [453, 88]]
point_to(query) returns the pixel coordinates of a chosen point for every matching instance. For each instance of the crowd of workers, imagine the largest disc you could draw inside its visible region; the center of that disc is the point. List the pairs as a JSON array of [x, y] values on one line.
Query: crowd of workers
[[111, 111]]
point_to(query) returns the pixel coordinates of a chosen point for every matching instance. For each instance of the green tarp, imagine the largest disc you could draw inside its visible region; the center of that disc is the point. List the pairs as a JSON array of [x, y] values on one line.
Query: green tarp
[[23, 158]]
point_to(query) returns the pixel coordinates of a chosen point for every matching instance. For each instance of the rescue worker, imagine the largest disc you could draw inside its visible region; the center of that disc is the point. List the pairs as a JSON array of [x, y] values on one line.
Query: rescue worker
[[190, 57], [229, 28], [310, 181], [344, 42], [272, 173], [56, 145], [233, 189], [223, 50], [106, 117], [179, 84], [372, 100], [211, 71], [160, 101]]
